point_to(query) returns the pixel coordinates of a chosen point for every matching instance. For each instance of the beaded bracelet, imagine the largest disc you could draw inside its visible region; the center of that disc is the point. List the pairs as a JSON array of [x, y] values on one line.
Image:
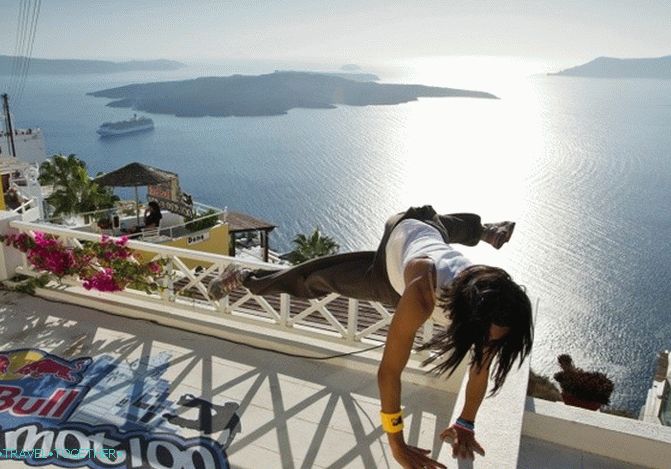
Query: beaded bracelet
[[392, 423], [465, 425]]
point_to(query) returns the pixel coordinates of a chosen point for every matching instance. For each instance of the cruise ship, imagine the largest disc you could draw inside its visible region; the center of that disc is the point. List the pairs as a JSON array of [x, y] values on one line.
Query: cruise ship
[[135, 124]]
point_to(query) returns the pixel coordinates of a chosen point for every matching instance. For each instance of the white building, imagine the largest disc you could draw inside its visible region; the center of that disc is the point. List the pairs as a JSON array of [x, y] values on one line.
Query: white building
[[29, 145], [657, 408]]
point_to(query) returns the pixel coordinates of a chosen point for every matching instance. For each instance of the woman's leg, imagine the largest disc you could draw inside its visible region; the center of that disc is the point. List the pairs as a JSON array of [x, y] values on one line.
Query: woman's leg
[[462, 228], [466, 228], [347, 274], [360, 275]]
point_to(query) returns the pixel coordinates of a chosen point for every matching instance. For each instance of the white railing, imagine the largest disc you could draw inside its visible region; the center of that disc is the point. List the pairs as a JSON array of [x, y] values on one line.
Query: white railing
[[170, 230], [332, 317], [29, 210], [182, 227]]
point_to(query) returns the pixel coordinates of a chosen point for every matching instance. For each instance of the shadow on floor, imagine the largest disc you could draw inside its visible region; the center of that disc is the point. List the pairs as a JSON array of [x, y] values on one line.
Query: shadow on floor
[[293, 412]]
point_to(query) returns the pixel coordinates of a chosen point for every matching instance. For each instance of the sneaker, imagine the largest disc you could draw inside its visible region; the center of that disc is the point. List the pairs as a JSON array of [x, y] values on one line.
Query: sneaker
[[498, 234], [230, 279]]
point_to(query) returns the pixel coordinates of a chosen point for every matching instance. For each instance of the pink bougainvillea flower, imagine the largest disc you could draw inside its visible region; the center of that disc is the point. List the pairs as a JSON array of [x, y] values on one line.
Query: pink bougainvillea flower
[[103, 281], [154, 267], [108, 265]]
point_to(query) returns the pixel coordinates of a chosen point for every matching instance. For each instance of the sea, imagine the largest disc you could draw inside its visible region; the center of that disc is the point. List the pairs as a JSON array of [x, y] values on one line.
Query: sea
[[583, 165]]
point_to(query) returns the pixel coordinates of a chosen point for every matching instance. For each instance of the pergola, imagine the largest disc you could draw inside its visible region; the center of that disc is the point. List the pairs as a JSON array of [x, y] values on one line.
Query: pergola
[[242, 223]]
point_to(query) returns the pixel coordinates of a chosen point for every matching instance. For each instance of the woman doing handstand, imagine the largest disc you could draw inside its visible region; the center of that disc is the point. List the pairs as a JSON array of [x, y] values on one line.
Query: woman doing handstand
[[416, 269]]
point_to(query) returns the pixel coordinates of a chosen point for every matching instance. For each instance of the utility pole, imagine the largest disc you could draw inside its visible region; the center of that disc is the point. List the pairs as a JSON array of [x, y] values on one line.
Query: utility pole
[[8, 124]]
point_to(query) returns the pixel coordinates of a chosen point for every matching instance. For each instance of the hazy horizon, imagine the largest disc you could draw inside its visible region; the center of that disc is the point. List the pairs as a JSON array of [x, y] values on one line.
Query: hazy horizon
[[320, 32]]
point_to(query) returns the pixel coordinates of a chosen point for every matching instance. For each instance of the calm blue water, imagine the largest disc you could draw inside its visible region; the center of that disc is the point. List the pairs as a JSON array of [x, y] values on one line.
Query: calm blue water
[[583, 165]]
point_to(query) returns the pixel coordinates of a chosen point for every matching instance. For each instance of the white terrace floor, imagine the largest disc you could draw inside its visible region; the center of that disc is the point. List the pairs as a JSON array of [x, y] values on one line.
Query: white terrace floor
[[293, 412]]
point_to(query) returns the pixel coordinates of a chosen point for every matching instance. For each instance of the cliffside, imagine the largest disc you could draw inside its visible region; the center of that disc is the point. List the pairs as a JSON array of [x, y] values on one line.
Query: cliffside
[[609, 67]]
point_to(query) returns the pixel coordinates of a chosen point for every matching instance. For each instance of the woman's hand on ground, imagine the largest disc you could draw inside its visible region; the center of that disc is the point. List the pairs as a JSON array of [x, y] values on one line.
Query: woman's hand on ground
[[463, 442], [411, 457]]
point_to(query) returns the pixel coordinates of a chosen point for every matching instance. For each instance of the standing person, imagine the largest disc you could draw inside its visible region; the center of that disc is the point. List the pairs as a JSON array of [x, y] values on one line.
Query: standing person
[[416, 269], [152, 216]]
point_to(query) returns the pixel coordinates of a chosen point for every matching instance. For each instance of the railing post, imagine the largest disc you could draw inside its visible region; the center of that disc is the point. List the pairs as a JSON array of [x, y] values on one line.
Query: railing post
[[352, 319], [285, 306], [225, 305], [10, 258], [168, 294]]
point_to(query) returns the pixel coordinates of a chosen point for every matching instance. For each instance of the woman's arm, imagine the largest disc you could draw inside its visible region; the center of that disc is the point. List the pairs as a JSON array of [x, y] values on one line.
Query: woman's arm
[[461, 436], [476, 388], [413, 309]]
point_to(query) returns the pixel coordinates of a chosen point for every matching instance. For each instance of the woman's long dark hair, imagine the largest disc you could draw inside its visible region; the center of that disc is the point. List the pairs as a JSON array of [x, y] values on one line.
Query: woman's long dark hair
[[478, 297]]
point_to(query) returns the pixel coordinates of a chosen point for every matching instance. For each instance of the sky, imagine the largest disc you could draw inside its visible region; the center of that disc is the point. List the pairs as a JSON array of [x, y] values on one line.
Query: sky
[[343, 31]]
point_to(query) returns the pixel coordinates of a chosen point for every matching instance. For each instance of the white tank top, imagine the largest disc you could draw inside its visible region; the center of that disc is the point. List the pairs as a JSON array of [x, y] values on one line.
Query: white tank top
[[411, 239]]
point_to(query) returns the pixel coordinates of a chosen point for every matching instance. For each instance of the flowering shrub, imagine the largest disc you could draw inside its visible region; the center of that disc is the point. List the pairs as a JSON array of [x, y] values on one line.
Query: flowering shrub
[[108, 265]]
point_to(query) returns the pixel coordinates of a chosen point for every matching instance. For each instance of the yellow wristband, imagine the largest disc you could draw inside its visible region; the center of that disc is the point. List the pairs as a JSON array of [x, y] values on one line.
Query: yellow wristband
[[392, 423]]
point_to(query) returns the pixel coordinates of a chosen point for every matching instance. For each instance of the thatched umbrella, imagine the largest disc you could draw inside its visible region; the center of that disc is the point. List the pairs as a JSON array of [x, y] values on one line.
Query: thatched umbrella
[[133, 175]]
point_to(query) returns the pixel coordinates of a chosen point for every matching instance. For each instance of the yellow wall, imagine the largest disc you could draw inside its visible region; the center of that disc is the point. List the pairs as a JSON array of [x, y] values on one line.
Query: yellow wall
[[217, 243], [3, 181]]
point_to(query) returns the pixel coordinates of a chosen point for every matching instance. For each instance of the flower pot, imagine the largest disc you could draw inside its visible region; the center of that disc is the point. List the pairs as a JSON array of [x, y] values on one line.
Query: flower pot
[[570, 399]]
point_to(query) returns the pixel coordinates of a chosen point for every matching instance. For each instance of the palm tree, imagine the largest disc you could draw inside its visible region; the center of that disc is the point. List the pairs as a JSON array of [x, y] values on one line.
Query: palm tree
[[74, 191], [309, 247]]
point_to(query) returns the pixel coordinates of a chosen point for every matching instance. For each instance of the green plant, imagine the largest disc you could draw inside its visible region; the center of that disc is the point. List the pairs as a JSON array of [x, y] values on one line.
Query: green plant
[[542, 387], [203, 221], [312, 246], [128, 210], [586, 385], [25, 284], [74, 191]]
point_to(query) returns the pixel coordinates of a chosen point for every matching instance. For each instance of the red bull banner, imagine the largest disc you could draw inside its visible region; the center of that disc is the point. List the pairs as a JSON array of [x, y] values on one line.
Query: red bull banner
[[97, 413]]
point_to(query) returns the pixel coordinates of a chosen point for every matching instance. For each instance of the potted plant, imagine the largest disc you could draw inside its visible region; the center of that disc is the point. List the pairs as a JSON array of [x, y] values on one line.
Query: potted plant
[[203, 221], [580, 388]]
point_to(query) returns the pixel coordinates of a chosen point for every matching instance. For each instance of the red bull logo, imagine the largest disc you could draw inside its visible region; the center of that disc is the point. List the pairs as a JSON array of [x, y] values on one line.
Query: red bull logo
[[59, 404], [36, 364], [34, 383], [70, 372], [41, 394]]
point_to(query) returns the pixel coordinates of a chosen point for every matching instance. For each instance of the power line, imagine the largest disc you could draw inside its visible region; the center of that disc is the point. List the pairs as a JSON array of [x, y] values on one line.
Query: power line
[[16, 47], [30, 38], [21, 37], [33, 31]]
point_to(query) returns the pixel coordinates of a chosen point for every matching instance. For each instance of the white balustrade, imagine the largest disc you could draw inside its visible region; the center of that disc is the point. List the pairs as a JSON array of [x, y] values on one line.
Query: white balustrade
[[345, 319]]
